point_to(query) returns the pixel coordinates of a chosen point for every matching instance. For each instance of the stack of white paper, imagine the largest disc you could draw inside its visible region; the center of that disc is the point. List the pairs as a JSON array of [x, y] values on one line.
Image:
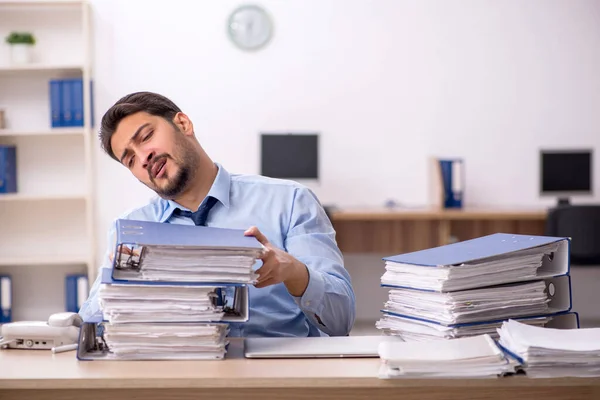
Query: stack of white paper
[[166, 341], [164, 303], [512, 300], [473, 357], [547, 352], [492, 271], [170, 264], [416, 330]]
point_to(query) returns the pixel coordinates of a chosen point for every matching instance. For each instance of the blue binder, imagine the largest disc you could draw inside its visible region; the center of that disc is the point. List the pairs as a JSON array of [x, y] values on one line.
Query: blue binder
[[8, 169], [138, 235], [559, 293], [55, 86], [452, 172], [234, 295], [487, 247], [5, 299], [148, 233], [76, 292], [91, 346]]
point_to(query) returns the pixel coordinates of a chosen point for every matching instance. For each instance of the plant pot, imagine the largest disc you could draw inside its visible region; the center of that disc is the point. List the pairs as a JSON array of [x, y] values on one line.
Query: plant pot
[[20, 53]]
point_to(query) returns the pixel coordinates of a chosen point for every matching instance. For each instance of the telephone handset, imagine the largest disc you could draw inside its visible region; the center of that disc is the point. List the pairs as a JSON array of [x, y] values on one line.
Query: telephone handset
[[60, 329]]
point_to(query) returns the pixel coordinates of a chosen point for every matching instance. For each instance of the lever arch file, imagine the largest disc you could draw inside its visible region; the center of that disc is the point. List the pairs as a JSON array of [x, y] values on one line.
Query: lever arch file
[[76, 292], [529, 299], [485, 261], [147, 251], [131, 301], [5, 299], [99, 340]]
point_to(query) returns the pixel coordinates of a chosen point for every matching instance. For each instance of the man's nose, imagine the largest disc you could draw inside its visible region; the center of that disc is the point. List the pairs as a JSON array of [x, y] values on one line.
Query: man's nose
[[148, 159]]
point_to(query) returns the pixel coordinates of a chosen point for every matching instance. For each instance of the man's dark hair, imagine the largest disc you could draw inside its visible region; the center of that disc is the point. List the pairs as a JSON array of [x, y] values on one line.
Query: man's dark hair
[[151, 103]]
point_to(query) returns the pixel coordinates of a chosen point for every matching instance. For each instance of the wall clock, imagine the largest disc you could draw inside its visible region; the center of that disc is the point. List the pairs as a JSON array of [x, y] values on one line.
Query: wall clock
[[250, 27]]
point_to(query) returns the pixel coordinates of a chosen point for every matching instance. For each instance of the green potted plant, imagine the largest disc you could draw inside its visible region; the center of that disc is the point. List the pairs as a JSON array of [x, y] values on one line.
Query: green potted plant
[[21, 44]]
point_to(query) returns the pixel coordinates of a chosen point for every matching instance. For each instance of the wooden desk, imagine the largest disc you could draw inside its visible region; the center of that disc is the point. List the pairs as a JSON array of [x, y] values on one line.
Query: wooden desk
[[395, 231], [33, 375]]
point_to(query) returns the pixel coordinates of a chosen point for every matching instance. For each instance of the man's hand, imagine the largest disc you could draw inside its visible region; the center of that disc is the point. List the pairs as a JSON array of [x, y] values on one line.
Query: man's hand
[[279, 266]]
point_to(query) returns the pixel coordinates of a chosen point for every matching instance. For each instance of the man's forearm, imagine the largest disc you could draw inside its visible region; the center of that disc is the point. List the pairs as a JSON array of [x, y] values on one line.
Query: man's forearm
[[328, 302], [297, 284]]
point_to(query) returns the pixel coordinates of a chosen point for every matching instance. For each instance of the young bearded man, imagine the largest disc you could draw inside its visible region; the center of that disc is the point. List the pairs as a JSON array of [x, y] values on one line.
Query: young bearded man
[[303, 288]]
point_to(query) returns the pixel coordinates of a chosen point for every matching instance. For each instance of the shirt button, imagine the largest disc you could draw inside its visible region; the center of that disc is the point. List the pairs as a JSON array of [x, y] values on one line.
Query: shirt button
[[307, 303]]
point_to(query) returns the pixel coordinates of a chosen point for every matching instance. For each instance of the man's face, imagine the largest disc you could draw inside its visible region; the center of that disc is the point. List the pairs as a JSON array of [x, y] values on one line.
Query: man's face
[[156, 152]]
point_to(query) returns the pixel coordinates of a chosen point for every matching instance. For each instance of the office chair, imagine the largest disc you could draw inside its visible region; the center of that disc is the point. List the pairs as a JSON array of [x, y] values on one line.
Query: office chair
[[582, 224]]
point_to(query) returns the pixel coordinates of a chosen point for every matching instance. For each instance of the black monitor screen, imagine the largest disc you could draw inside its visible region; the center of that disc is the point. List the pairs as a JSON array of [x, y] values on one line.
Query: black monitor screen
[[567, 171], [290, 156]]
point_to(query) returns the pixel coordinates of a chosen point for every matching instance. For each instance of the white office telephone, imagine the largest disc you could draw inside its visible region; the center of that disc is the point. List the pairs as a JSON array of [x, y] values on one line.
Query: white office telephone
[[61, 329]]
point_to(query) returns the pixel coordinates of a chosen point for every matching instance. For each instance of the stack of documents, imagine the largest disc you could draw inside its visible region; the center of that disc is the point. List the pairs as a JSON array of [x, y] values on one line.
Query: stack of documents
[[485, 261], [122, 303], [172, 294], [152, 251], [471, 305], [166, 341], [469, 288], [420, 331], [547, 353], [473, 357]]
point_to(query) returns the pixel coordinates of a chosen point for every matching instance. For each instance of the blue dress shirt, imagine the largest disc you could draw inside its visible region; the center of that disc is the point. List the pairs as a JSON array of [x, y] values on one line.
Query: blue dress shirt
[[292, 218]]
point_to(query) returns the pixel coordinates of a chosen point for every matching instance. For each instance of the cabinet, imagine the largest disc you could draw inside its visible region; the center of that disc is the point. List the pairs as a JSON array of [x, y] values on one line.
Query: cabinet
[[46, 227]]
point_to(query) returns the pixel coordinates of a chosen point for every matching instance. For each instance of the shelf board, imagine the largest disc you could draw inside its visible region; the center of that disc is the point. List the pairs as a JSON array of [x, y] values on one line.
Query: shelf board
[[40, 197], [43, 260], [45, 132], [14, 3], [39, 68]]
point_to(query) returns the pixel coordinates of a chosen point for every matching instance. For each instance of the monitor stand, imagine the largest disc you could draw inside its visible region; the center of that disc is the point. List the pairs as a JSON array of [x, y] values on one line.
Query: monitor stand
[[563, 201]]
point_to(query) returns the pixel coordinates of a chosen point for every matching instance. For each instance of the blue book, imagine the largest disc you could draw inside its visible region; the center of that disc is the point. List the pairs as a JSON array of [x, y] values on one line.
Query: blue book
[[5, 299], [485, 261], [76, 292], [8, 169], [55, 103]]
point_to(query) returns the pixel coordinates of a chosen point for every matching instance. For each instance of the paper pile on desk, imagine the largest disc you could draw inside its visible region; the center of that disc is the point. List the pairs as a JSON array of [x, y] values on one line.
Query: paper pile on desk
[[473, 357], [546, 352]]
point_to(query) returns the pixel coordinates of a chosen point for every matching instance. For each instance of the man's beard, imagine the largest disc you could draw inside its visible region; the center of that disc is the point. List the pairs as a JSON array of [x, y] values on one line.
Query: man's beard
[[178, 183]]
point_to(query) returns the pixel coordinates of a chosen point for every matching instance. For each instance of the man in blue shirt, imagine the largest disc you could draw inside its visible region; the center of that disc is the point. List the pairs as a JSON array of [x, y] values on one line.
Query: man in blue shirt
[[303, 288]]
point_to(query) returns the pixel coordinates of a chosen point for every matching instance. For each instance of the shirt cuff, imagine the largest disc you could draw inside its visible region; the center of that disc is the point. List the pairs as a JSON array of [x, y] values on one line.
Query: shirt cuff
[[312, 299]]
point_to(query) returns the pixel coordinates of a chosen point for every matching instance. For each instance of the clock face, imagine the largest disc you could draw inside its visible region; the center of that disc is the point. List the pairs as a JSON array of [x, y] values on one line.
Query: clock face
[[250, 27]]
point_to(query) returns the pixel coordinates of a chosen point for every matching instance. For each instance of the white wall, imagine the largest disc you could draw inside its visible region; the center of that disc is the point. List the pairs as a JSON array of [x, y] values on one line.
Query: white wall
[[388, 83]]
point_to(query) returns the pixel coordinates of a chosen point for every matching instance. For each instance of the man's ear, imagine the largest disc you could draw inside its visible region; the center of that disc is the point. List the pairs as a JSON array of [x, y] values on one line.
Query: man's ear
[[184, 123]]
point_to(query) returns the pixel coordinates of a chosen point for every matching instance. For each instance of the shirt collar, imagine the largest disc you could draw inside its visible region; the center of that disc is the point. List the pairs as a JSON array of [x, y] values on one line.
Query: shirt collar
[[219, 189]]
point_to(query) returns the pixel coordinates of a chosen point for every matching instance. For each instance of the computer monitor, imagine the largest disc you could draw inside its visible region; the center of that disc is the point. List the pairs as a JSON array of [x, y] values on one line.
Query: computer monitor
[[290, 156], [564, 173]]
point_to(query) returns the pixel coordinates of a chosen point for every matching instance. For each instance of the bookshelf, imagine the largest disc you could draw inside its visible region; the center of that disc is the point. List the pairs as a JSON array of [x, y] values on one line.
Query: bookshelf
[[47, 227]]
